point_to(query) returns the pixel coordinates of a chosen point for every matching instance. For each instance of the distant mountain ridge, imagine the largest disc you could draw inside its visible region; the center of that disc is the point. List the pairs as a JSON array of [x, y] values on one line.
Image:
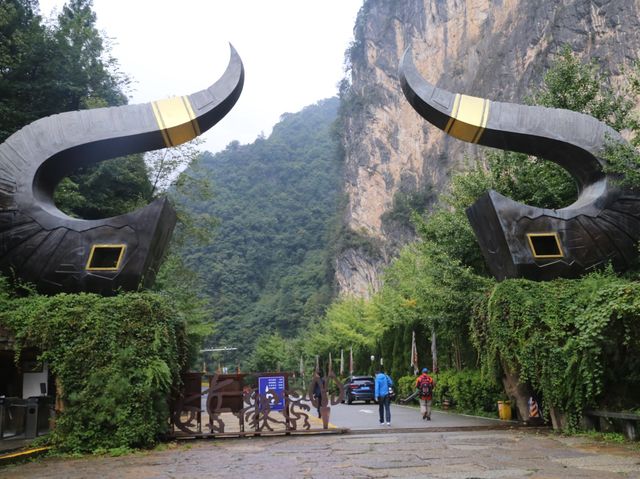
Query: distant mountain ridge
[[268, 268]]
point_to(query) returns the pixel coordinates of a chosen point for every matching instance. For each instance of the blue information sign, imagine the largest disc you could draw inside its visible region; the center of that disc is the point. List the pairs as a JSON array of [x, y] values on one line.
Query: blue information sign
[[272, 388]]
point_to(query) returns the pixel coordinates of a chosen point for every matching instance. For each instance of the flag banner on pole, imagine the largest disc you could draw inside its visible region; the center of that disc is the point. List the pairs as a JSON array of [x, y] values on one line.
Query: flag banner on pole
[[342, 362], [330, 369], [351, 361], [414, 354]]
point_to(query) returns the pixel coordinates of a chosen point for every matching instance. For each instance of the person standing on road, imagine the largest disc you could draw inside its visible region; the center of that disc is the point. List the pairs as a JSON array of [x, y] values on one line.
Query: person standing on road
[[382, 385], [317, 392], [424, 387]]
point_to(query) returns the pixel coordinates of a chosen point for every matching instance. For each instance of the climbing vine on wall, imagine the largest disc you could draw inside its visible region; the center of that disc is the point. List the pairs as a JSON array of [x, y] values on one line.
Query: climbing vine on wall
[[576, 342], [115, 360]]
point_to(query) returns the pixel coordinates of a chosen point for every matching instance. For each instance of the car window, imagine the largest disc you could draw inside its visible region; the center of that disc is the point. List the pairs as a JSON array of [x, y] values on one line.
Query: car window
[[362, 380]]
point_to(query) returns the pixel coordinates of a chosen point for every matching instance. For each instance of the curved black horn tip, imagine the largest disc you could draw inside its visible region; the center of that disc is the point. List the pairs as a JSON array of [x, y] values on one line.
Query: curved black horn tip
[[406, 60], [234, 55]]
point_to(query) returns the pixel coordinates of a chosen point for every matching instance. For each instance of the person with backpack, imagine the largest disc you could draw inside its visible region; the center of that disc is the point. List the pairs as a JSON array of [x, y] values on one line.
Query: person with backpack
[[383, 384], [424, 387]]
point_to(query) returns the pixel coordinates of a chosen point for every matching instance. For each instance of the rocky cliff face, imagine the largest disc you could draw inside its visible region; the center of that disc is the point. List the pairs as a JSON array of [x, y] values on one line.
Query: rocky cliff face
[[496, 49]]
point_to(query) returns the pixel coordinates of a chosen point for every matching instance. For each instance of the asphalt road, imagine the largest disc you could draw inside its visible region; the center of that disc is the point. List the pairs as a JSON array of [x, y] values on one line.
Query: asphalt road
[[409, 454], [450, 446], [360, 417]]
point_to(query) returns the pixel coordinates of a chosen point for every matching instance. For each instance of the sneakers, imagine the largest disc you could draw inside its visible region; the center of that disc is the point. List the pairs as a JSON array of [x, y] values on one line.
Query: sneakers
[[429, 417], [388, 424]]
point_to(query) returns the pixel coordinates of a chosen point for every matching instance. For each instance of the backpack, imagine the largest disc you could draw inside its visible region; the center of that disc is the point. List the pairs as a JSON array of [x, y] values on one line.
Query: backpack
[[426, 387], [392, 391]]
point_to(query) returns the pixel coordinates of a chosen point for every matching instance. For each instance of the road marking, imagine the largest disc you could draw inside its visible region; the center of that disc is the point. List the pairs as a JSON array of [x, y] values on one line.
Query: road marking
[[368, 411]]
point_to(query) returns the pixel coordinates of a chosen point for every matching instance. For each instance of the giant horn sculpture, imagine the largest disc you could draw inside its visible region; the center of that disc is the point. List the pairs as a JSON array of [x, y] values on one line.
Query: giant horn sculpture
[[518, 240], [42, 245]]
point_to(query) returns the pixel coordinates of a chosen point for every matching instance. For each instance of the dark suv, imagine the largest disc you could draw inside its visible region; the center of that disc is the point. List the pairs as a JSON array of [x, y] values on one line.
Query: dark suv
[[359, 388]]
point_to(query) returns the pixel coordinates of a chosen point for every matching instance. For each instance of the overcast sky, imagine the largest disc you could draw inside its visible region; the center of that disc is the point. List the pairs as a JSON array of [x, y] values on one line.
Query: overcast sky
[[292, 50]]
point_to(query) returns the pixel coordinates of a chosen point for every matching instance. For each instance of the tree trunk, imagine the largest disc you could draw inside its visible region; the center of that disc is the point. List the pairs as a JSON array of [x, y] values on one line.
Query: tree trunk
[[518, 394]]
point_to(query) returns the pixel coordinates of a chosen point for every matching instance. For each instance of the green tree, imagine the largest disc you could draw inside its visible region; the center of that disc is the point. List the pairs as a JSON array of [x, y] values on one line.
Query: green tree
[[83, 67], [50, 69], [24, 48], [271, 353], [268, 268], [109, 188], [574, 85], [84, 75]]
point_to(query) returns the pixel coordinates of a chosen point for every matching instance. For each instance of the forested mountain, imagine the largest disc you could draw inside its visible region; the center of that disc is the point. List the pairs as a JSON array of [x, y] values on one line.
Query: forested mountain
[[276, 199]]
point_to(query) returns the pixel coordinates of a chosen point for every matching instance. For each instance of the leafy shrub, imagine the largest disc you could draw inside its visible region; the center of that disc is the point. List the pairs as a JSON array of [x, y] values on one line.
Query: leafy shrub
[[115, 361], [575, 342], [469, 390], [406, 386]]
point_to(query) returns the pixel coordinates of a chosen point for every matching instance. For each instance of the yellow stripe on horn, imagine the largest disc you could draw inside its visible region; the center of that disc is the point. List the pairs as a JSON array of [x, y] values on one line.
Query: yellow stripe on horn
[[469, 117], [176, 120]]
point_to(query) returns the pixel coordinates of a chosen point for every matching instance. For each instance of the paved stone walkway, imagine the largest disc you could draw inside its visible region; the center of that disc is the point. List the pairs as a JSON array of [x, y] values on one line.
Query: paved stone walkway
[[450, 455]]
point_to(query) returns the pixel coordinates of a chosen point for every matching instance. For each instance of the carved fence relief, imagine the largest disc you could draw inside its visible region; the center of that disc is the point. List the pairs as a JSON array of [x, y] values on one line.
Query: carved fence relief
[[251, 404]]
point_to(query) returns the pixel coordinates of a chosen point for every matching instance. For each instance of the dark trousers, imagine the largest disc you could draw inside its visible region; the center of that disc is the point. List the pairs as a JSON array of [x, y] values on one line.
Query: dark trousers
[[384, 406]]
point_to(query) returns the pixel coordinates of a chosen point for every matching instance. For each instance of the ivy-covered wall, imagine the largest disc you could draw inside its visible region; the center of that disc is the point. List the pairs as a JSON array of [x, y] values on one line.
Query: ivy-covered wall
[[575, 342], [115, 361]]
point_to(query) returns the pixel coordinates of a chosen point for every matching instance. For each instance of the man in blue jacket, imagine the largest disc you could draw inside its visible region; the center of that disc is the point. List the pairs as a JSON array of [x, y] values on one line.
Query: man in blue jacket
[[382, 385]]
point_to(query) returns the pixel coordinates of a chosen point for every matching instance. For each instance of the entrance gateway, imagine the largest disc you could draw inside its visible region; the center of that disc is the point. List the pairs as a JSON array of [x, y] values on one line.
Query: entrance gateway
[[251, 404]]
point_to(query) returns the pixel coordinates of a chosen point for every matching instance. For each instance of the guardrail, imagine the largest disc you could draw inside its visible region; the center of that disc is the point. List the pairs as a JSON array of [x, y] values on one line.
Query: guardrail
[[627, 422]]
